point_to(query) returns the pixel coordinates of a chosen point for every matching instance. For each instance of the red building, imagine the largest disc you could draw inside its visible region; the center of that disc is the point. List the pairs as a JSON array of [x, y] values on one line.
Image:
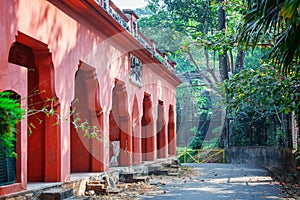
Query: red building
[[86, 62]]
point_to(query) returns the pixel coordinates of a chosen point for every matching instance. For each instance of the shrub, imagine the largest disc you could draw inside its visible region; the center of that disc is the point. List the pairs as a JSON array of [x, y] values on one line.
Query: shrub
[[10, 114]]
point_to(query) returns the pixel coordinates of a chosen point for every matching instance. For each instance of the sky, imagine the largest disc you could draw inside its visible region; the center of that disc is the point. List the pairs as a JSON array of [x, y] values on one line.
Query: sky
[[130, 4]]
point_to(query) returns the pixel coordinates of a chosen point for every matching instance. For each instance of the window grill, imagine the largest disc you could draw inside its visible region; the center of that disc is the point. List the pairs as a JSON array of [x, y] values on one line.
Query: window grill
[[7, 167]]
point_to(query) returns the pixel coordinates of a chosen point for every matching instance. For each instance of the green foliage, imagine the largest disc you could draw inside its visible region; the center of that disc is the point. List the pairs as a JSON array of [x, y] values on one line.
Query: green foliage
[[186, 28], [264, 91], [10, 114], [254, 59], [257, 101], [85, 127], [197, 140], [275, 24], [211, 144]]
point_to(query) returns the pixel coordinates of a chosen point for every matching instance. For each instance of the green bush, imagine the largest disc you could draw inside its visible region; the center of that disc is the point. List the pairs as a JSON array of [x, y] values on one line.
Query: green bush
[[10, 114]]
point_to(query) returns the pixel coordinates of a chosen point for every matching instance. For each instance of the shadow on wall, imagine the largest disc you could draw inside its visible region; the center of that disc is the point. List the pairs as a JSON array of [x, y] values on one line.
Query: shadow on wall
[[263, 156]]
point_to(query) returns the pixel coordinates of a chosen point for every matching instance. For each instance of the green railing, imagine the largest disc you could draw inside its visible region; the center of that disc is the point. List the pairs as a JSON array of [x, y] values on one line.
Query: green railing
[[200, 155]]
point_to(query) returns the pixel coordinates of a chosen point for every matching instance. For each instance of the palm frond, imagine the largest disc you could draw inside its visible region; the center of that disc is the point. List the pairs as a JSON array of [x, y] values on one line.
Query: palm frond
[[281, 18]]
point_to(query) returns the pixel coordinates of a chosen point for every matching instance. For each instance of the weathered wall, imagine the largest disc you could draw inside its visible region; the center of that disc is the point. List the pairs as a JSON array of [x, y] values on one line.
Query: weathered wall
[[264, 156]]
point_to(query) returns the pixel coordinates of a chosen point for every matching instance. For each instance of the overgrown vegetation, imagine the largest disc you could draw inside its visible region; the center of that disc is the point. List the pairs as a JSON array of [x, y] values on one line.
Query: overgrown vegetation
[[201, 37], [251, 46], [275, 26], [10, 114], [260, 100]]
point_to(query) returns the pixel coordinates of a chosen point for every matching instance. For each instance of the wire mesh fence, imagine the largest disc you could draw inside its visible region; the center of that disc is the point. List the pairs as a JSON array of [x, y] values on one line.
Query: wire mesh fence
[[202, 122], [200, 117]]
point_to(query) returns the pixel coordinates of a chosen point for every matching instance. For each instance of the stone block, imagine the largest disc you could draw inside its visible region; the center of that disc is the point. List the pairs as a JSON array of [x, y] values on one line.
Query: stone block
[[57, 194], [100, 187], [166, 164], [161, 172], [153, 168], [126, 177]]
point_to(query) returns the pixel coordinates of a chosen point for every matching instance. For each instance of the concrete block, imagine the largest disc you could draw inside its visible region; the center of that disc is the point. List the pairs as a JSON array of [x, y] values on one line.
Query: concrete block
[[153, 168], [166, 164], [57, 194], [161, 172], [126, 177]]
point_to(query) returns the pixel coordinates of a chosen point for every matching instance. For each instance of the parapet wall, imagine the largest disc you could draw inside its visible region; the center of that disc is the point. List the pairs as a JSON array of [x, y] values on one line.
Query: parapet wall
[[263, 156]]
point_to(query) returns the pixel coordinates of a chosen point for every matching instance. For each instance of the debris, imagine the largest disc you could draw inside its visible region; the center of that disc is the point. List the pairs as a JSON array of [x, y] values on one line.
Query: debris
[[133, 185]]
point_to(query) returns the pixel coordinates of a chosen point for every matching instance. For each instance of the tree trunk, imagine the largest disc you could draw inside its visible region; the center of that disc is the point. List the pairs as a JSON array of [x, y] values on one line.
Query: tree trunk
[[221, 16], [223, 58], [240, 57], [223, 66], [231, 66]]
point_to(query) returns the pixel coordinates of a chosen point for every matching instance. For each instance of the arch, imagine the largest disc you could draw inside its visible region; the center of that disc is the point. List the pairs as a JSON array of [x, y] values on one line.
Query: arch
[[148, 137], [44, 157], [171, 132], [86, 146], [136, 134], [40, 59], [119, 129], [161, 137]]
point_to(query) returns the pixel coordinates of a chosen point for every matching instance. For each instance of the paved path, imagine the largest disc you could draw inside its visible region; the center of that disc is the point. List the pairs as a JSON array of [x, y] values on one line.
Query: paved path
[[221, 181]]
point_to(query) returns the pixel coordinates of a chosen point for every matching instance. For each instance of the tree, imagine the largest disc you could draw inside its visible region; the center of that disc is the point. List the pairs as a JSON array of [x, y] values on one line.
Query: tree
[[262, 97], [275, 24], [196, 33], [223, 56], [200, 34]]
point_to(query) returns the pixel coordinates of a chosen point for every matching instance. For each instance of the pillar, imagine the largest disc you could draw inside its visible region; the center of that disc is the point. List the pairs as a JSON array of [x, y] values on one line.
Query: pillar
[[162, 150]]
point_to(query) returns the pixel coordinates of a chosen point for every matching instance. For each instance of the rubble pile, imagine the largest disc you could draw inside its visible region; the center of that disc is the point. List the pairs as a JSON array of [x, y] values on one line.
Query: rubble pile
[[131, 185]]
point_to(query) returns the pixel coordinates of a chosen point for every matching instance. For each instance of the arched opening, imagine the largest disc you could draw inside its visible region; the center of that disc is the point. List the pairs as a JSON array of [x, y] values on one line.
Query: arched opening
[[171, 132], [44, 158], [148, 142], [119, 128], [10, 166], [136, 134], [161, 137], [86, 123]]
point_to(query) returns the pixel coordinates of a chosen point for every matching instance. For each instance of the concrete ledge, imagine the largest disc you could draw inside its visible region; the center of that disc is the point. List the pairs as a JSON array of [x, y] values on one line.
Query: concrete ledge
[[263, 156]]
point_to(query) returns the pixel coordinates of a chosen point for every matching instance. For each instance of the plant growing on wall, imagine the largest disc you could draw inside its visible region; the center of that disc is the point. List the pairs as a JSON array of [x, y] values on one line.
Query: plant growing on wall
[[10, 114]]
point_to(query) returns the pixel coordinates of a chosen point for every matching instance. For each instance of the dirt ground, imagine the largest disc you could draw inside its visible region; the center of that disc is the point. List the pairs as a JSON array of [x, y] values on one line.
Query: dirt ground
[[289, 182]]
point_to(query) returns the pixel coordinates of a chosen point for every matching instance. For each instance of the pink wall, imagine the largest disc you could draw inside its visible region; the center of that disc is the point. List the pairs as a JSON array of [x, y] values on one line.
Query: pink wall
[[71, 40]]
